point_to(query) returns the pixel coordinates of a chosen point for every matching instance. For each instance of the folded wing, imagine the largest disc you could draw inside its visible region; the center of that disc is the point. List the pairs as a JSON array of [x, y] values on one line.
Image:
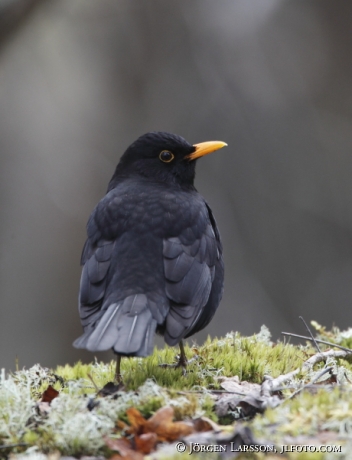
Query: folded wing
[[190, 264]]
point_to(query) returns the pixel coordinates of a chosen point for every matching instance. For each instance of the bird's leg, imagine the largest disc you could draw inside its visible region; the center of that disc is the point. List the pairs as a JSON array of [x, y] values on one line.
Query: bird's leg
[[182, 361], [118, 376]]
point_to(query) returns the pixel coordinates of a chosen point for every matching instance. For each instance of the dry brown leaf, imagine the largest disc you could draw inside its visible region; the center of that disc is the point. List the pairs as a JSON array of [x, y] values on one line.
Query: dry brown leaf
[[146, 442], [203, 424], [161, 417], [122, 426], [123, 446], [173, 431], [136, 420], [332, 380], [49, 394], [162, 424]]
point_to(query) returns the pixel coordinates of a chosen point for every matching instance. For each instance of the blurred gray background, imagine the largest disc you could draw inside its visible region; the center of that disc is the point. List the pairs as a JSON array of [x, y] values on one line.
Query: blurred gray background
[[81, 79]]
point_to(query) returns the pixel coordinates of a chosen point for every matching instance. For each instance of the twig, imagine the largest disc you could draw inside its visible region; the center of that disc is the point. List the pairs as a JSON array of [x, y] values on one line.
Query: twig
[[271, 385], [310, 333], [91, 379], [318, 340], [323, 372], [10, 446], [185, 392], [309, 385]]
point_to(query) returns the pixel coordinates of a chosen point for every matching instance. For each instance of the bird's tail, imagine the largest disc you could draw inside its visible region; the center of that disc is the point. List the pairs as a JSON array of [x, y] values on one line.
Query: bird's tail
[[126, 326]]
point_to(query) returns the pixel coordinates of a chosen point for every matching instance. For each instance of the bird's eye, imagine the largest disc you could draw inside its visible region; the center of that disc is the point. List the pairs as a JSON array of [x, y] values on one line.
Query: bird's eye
[[166, 156]]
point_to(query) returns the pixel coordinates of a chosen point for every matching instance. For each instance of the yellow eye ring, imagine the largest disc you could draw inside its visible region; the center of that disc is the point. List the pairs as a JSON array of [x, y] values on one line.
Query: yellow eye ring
[[166, 156]]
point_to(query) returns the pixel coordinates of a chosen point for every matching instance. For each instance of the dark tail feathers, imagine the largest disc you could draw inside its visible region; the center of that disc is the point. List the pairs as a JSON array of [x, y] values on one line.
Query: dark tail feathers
[[127, 326]]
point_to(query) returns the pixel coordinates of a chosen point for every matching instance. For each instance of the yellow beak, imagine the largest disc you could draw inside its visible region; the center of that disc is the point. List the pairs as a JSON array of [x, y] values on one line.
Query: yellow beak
[[204, 148]]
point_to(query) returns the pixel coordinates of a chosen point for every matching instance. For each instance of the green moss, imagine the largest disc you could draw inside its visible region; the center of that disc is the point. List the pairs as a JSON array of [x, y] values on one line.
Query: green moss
[[248, 357], [308, 415], [72, 427], [99, 372], [208, 408]]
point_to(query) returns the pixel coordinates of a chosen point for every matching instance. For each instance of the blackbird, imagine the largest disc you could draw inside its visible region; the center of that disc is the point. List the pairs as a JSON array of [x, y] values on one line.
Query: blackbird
[[152, 261]]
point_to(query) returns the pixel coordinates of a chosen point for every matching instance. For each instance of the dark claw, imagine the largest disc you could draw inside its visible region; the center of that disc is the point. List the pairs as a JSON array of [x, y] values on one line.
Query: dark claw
[[182, 361]]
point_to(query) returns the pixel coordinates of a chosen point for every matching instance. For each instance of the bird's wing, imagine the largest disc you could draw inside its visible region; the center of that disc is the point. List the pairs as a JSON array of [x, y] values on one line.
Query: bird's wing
[[103, 229], [189, 265], [96, 263], [127, 325]]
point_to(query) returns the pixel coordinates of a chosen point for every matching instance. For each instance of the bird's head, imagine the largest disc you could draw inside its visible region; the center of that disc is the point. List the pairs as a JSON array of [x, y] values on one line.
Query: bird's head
[[162, 157]]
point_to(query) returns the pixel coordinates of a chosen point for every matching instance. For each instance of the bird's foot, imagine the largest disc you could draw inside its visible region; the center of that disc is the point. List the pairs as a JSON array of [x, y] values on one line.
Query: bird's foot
[[182, 362]]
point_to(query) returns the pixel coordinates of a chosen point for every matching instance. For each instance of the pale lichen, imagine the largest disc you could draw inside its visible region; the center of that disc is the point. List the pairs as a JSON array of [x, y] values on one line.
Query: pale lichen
[[16, 407], [77, 420]]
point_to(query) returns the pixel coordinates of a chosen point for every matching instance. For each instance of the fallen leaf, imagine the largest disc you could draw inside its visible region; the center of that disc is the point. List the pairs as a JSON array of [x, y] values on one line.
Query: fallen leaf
[[331, 380], [123, 446], [203, 424], [161, 423], [136, 420], [146, 442], [49, 394], [233, 385], [110, 389], [161, 417], [122, 426], [173, 431]]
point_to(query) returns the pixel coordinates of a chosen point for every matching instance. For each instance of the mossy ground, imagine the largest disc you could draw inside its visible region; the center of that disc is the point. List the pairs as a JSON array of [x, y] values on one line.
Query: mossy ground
[[248, 357], [320, 415]]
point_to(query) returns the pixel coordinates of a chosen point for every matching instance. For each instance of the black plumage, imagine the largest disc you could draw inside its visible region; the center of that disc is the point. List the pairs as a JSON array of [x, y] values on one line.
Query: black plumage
[[153, 257]]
